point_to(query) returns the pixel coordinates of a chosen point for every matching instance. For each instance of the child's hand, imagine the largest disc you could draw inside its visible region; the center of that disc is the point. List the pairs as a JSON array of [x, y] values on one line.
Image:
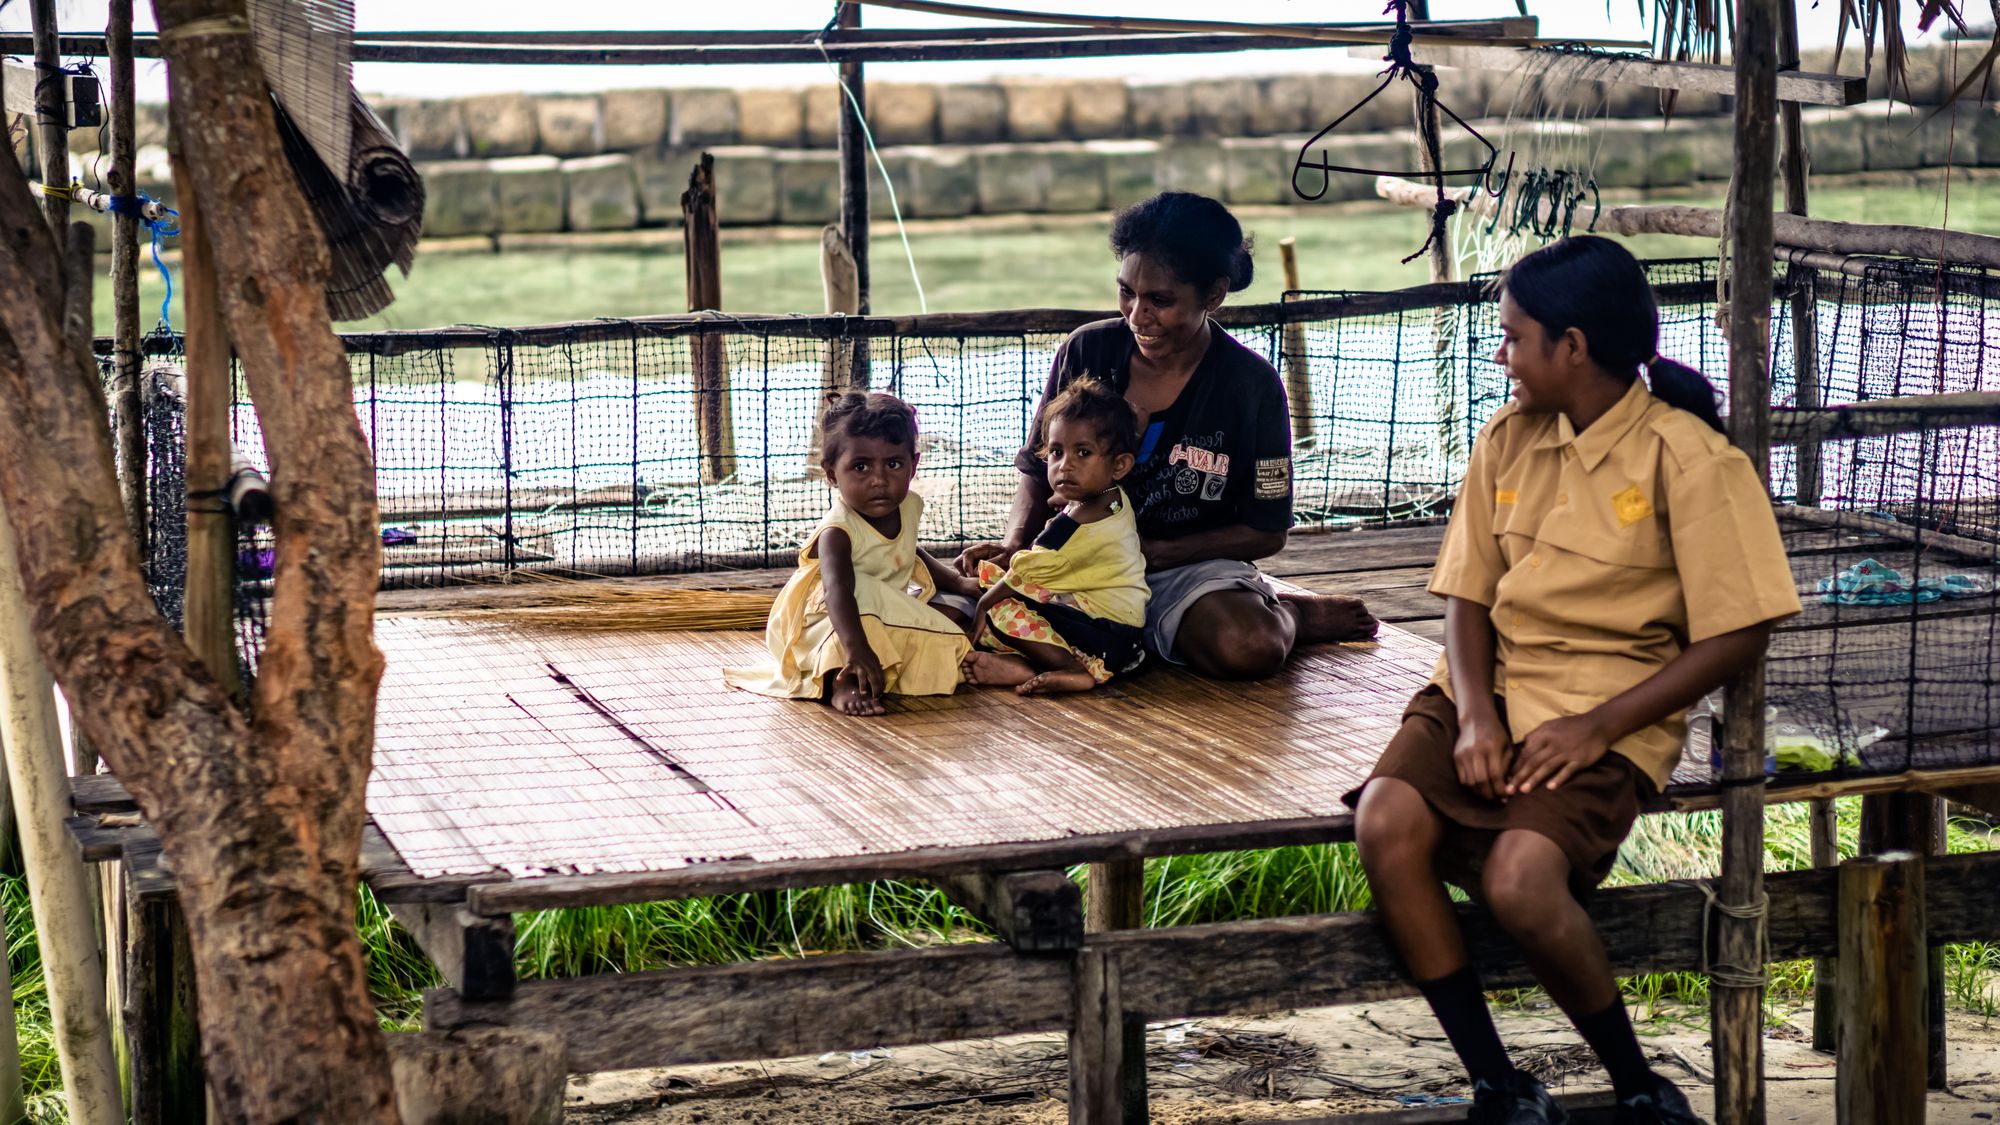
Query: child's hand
[[864, 674], [1481, 754], [969, 559], [1554, 752]]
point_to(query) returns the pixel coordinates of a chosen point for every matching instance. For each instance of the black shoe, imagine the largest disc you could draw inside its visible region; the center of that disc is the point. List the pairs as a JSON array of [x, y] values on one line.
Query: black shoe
[[1514, 1100], [1664, 1104]]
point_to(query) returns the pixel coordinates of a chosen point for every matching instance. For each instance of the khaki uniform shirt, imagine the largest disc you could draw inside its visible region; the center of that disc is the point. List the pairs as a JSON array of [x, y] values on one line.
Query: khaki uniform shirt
[[1603, 554]]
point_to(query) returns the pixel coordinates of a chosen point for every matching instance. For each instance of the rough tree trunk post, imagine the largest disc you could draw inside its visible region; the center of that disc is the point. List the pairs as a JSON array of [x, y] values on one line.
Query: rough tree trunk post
[[65, 914], [1298, 375], [51, 113], [1825, 853], [1116, 900], [1915, 823], [126, 403], [854, 183], [262, 825], [841, 286], [12, 1101], [1879, 1078], [1737, 992], [701, 235]]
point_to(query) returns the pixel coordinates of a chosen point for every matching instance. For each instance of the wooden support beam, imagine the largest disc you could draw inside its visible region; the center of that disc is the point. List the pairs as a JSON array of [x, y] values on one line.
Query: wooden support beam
[[51, 114], [1032, 911], [473, 952], [701, 234], [1527, 24], [127, 401], [1097, 1045], [1876, 525], [1116, 903], [853, 145], [1913, 822], [161, 1015], [774, 1009], [1904, 414], [1556, 65], [1799, 280], [1884, 971], [1826, 997], [1298, 369]]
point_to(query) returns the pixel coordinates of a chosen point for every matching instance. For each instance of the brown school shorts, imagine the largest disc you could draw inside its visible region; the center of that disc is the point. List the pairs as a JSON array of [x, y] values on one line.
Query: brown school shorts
[[1587, 818]]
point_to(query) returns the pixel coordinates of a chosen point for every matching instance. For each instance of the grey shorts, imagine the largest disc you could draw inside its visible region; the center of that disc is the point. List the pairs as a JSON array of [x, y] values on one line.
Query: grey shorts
[[1177, 588]]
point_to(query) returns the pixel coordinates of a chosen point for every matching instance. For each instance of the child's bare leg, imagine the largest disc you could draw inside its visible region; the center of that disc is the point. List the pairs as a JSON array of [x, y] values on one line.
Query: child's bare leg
[[1526, 887], [848, 699], [995, 669], [1057, 669]]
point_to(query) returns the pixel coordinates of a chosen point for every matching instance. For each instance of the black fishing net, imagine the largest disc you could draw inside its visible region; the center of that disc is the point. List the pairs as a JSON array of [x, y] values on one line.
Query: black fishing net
[[587, 449]]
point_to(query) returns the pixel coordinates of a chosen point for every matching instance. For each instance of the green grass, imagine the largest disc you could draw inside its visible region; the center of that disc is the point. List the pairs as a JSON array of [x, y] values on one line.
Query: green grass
[[1055, 262]]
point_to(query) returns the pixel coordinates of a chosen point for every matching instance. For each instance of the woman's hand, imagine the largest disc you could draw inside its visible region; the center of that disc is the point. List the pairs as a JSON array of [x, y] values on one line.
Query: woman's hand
[[969, 559], [1554, 752], [1480, 755]]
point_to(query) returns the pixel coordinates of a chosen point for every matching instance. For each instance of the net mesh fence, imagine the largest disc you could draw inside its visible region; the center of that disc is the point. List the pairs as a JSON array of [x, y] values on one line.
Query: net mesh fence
[[614, 447]]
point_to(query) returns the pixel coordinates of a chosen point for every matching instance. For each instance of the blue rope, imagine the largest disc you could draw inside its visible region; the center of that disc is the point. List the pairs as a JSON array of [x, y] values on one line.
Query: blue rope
[[161, 227]]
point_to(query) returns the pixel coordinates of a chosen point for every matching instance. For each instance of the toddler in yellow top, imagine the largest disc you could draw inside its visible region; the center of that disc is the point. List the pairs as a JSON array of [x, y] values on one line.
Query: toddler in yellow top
[[1069, 612], [856, 622]]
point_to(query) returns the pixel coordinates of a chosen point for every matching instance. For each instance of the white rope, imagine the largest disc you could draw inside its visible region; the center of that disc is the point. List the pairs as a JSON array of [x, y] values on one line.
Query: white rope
[[868, 135]]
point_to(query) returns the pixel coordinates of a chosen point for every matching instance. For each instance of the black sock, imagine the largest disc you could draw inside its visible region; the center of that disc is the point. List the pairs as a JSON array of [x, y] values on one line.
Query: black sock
[[1610, 1034], [1461, 1009]]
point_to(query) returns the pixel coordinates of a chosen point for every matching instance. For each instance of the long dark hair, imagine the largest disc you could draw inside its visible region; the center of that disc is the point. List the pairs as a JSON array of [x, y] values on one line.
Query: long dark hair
[[1597, 287], [1192, 235]]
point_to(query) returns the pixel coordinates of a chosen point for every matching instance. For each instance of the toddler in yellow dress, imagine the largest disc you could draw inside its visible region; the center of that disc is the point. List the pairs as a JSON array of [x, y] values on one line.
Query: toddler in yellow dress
[[857, 621], [1069, 612]]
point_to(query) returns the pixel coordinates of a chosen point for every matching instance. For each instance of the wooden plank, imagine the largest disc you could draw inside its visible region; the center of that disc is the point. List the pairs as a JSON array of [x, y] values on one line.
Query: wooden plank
[[1960, 545], [100, 793], [1032, 911], [393, 882], [1883, 975], [860, 36], [474, 953], [1904, 414], [96, 843], [772, 1009], [1558, 66], [1097, 1045]]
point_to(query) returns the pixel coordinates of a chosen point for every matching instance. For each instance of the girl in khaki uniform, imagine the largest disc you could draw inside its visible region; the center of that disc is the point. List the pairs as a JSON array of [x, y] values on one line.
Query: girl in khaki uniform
[[1611, 559]]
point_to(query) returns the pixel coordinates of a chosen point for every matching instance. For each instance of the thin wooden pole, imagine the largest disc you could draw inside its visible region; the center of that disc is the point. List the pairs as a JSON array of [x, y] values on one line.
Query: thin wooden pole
[[1116, 900], [1825, 853], [842, 289], [1800, 281], [1914, 822], [701, 235], [854, 181], [1443, 267], [1883, 970], [1298, 375], [1736, 987], [1097, 1044], [128, 409], [12, 1101], [211, 540], [64, 913], [51, 113]]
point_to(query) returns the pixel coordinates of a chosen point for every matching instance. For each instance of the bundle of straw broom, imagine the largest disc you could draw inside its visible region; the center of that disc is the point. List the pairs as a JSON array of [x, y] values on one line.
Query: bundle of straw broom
[[602, 607]]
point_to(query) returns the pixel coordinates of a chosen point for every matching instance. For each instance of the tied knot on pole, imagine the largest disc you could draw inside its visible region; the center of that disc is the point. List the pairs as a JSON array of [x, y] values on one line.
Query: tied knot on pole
[[1725, 973]]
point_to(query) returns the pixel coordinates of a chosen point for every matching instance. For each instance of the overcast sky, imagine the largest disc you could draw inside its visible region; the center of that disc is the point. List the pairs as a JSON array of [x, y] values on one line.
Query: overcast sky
[[1567, 18]]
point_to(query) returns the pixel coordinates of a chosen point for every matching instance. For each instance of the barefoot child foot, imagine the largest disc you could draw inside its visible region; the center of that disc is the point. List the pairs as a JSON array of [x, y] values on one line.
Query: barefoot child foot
[[1056, 683], [1329, 618], [993, 669], [850, 698]]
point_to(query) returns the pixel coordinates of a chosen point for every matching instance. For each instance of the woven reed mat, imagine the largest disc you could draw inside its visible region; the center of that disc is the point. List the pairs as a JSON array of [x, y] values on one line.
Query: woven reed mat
[[645, 761]]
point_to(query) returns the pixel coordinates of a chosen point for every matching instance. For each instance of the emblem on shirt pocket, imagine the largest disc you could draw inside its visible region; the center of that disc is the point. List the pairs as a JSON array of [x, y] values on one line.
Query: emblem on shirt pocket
[[1631, 507], [1506, 496], [1274, 478]]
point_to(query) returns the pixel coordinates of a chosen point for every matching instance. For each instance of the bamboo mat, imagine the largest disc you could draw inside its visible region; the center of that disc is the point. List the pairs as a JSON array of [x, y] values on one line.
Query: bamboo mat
[[640, 759]]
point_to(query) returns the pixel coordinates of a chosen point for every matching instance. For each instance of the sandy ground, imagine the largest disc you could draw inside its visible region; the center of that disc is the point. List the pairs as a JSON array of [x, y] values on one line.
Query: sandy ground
[[1281, 1067]]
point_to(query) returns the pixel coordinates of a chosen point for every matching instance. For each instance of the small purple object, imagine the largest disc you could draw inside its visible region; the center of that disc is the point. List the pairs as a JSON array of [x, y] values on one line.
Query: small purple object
[[398, 536], [257, 562]]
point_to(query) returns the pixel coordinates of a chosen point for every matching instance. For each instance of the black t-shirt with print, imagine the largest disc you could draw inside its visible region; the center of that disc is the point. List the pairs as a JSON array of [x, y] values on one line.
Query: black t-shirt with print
[[1221, 455]]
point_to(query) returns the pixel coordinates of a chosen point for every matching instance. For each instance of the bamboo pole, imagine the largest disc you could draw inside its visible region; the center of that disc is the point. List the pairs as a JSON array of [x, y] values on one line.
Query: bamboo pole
[[64, 914], [1736, 991], [51, 113], [841, 286], [127, 407], [1883, 969], [1298, 374], [854, 183], [701, 234], [1116, 900], [211, 540], [1287, 30]]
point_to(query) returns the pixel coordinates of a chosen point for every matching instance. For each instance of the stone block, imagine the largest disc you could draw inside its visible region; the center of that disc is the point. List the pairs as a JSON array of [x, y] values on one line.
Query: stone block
[[499, 124], [1981, 126], [1620, 155], [661, 177], [530, 190], [568, 126], [1076, 178], [1280, 105], [1192, 165], [1351, 150], [633, 119], [1037, 110], [973, 114], [1258, 170], [1927, 72], [746, 184], [808, 187], [902, 176], [428, 130], [599, 192], [1160, 111], [1672, 155], [702, 117], [1131, 170], [1465, 91], [902, 113], [943, 183], [822, 111], [1334, 94], [1011, 179], [460, 197], [494, 1076], [1888, 136], [1219, 107], [771, 117], [1099, 109], [1834, 144]]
